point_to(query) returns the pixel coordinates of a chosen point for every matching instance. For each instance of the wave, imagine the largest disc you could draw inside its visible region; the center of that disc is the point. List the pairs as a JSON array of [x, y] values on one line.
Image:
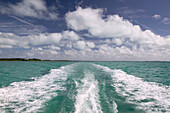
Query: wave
[[29, 96], [148, 96], [87, 99]]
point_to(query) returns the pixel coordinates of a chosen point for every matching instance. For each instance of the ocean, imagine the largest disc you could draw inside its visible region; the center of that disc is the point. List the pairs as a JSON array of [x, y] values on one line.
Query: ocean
[[84, 87]]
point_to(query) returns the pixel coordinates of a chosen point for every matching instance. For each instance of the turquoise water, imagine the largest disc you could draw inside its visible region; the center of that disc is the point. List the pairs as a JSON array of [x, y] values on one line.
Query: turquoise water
[[84, 87]]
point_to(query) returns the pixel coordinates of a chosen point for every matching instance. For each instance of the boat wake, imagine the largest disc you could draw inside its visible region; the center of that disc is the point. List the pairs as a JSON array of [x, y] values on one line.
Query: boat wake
[[84, 88], [29, 96], [148, 96]]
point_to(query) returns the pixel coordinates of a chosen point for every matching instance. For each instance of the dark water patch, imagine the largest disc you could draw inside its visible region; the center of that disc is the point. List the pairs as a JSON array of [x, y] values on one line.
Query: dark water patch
[[31, 79], [148, 100]]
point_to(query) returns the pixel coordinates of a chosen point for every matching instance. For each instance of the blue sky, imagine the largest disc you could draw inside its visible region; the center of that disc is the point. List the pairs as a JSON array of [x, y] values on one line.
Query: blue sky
[[85, 29]]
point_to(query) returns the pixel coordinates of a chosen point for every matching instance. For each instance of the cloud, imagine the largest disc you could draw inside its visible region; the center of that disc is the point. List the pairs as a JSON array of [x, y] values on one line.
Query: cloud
[[82, 19], [131, 13], [51, 38], [84, 45], [113, 26], [55, 46], [94, 37], [168, 36], [21, 28], [71, 35], [127, 10], [80, 45], [90, 44], [29, 8], [117, 41], [5, 46], [156, 16], [10, 40], [166, 21], [23, 21]]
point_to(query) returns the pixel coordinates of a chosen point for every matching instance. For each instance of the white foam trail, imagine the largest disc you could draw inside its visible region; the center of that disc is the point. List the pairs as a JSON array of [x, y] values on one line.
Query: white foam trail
[[29, 96], [115, 107], [87, 99], [149, 96]]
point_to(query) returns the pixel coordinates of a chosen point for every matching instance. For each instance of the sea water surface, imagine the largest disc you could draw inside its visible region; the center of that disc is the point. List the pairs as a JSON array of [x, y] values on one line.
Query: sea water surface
[[84, 87]]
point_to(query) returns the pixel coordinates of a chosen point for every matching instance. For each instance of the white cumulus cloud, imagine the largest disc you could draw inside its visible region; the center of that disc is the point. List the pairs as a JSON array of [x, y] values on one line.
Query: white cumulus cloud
[[84, 45], [51, 38], [70, 35], [80, 45], [113, 26], [10, 40]]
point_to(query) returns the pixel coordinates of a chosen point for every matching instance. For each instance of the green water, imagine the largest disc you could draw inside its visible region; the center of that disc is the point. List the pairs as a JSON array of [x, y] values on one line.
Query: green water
[[84, 87], [23, 71]]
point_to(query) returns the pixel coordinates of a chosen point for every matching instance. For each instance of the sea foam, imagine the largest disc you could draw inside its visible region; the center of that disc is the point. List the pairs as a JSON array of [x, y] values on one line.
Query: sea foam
[[87, 99], [29, 96], [148, 96]]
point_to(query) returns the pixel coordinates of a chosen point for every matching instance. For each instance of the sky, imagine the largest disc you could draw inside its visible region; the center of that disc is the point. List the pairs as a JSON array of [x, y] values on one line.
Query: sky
[[97, 30]]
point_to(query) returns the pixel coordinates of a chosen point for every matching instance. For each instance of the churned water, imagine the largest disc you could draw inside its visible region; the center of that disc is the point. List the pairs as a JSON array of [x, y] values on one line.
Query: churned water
[[84, 87]]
